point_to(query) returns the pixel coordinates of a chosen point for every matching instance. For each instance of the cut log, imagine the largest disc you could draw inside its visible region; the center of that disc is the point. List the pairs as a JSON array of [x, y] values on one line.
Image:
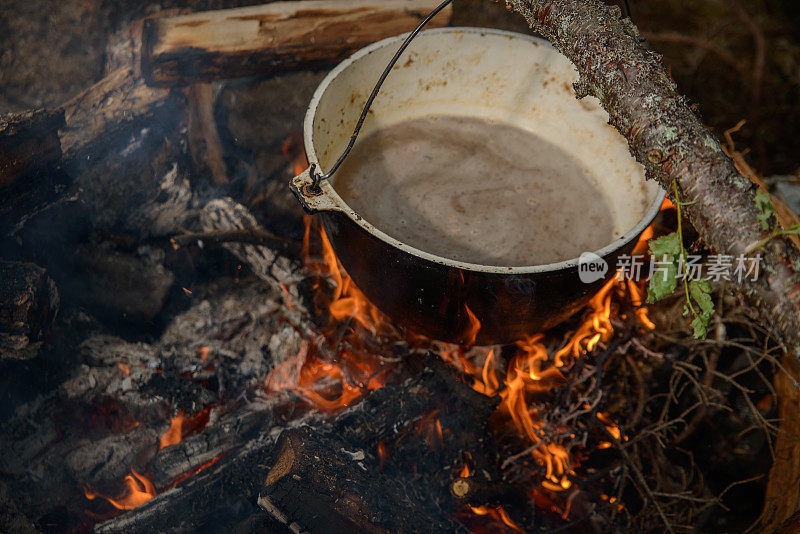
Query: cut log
[[212, 45], [204, 142], [675, 147], [335, 475], [782, 498], [28, 306]]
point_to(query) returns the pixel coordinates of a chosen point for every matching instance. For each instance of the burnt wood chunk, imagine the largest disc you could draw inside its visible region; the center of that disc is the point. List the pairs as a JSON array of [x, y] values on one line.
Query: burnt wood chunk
[[30, 157], [318, 485], [28, 141], [28, 306], [334, 479], [261, 39], [330, 477]]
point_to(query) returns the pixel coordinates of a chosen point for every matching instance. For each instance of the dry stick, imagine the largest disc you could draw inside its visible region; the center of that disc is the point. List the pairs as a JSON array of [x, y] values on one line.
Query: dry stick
[[672, 143]]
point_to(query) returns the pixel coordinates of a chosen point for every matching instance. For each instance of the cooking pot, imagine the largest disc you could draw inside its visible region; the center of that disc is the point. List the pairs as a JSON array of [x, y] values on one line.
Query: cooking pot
[[485, 74]]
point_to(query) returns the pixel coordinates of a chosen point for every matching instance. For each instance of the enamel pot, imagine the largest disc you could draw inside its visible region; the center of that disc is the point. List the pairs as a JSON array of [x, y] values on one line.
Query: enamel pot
[[487, 74]]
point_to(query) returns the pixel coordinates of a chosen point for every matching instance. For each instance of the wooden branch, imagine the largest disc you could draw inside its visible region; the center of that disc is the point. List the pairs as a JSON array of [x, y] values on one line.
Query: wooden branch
[[260, 39], [204, 142], [672, 143]]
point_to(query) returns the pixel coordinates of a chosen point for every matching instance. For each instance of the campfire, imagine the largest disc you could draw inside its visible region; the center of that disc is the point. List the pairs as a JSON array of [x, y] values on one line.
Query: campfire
[[183, 350]]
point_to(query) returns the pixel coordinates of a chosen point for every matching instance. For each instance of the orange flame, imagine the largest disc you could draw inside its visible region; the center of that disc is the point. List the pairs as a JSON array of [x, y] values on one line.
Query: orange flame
[[180, 426], [466, 470], [472, 330], [532, 370], [431, 428], [355, 369], [173, 434], [139, 491], [383, 454], [497, 513], [610, 426]]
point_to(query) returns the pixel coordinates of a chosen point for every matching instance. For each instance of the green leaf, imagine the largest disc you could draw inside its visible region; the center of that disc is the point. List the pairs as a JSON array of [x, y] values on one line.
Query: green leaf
[[700, 292], [669, 244], [700, 325], [663, 282], [765, 208]]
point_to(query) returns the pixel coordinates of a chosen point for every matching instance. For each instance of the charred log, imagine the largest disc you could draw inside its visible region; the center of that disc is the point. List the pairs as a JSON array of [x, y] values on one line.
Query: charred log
[[336, 475], [28, 306], [28, 141], [128, 285], [341, 461], [212, 45], [227, 434], [30, 156]]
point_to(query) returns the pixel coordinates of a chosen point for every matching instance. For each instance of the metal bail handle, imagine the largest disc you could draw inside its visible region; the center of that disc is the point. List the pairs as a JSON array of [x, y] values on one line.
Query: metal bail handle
[[316, 178]]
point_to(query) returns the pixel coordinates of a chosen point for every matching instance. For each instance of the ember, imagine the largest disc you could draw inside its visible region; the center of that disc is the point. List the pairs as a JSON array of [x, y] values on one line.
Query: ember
[[139, 491]]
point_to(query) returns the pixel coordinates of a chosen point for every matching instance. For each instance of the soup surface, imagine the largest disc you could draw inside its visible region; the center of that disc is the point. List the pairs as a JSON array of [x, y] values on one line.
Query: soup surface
[[476, 191]]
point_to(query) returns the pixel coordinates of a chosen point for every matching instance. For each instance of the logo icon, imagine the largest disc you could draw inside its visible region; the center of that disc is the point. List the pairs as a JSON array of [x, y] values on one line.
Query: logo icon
[[591, 267]]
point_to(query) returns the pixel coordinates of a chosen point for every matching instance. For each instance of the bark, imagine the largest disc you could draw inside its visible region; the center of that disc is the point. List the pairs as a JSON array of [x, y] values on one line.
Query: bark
[[673, 144], [255, 40]]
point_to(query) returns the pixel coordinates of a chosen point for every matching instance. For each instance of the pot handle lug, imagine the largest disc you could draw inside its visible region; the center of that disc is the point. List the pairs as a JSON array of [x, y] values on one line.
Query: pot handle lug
[[311, 198]]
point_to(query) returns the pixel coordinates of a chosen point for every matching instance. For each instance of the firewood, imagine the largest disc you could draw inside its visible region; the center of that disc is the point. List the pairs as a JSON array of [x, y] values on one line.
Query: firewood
[[121, 284], [335, 474], [212, 45], [30, 154], [322, 485], [333, 458], [228, 433], [28, 306], [204, 141], [28, 141], [118, 100]]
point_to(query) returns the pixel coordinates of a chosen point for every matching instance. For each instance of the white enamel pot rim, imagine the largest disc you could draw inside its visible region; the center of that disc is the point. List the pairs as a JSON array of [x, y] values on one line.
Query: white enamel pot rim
[[329, 199]]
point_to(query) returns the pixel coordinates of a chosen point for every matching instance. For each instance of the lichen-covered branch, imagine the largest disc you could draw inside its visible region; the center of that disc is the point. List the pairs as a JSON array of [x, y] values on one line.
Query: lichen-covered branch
[[673, 144]]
